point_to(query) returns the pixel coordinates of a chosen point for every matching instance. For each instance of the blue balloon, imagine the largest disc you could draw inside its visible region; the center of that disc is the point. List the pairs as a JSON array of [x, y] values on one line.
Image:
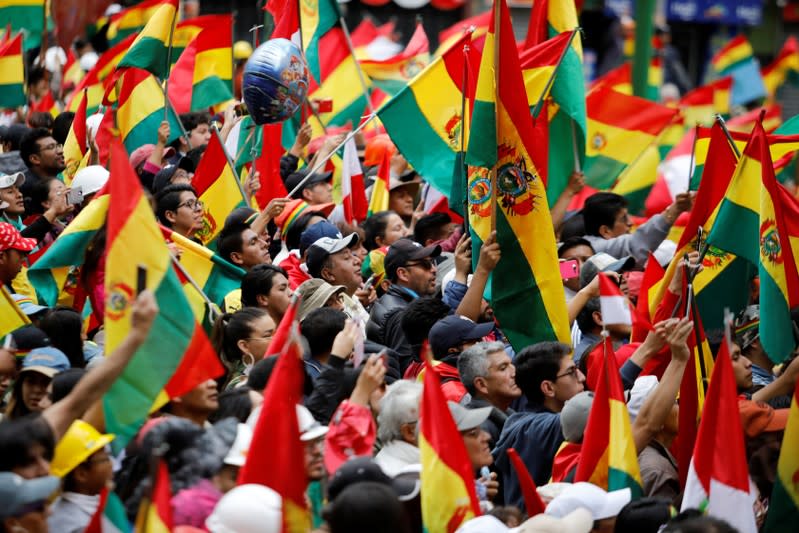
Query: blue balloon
[[275, 81]]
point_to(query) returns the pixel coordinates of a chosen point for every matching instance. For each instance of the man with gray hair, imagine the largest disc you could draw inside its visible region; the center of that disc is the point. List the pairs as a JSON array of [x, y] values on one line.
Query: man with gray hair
[[490, 378], [398, 427]]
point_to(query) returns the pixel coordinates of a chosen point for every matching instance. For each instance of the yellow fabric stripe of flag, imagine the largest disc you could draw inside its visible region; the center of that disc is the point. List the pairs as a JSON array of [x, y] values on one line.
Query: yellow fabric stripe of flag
[[214, 62], [145, 99], [11, 316], [619, 144], [339, 87], [12, 70], [622, 456]]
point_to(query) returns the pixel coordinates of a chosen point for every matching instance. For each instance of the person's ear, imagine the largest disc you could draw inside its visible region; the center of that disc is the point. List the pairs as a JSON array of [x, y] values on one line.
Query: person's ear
[[480, 385], [262, 300], [328, 276], [596, 316], [171, 216], [548, 388], [402, 275], [605, 232], [408, 432], [306, 194], [236, 259], [242, 345], [35, 159]]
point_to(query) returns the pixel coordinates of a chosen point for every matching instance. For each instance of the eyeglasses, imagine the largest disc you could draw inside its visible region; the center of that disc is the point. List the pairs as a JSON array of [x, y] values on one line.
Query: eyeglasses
[[572, 371], [426, 264], [53, 146], [194, 205]]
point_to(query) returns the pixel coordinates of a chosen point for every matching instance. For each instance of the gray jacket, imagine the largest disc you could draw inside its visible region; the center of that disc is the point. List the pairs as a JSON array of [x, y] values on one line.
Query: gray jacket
[[645, 239]]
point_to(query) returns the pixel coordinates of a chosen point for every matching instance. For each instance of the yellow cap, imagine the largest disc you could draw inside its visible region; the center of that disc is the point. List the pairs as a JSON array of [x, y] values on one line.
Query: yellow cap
[[78, 444], [242, 50]]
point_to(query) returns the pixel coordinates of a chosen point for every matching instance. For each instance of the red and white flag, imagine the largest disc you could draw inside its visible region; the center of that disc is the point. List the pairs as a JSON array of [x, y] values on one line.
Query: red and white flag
[[718, 478], [614, 305], [353, 191]]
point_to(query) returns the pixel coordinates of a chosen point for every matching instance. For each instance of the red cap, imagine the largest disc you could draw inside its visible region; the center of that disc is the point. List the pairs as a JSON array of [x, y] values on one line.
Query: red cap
[[10, 238]]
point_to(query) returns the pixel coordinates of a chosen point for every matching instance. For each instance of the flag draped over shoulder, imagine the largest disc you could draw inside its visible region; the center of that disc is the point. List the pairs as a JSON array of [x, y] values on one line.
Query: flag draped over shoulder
[[176, 339], [526, 289], [718, 480], [11, 316], [392, 74], [620, 129], [202, 76], [217, 187], [567, 122], [448, 491], [608, 458], [149, 50], [750, 224], [140, 110], [277, 466], [76, 145], [12, 73], [784, 504], [424, 119], [155, 511]]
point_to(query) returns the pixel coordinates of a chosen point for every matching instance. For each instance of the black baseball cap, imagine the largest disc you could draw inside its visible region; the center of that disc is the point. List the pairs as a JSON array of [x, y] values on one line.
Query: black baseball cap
[[405, 250], [363, 468], [295, 178], [451, 331]]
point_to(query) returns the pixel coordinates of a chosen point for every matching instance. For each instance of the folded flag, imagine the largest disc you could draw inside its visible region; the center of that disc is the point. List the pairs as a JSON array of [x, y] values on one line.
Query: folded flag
[[614, 305], [76, 145], [149, 50], [718, 478], [12, 73], [784, 504]]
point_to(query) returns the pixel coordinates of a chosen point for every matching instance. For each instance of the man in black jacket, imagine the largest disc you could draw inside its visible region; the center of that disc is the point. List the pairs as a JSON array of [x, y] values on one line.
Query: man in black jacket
[[412, 272]]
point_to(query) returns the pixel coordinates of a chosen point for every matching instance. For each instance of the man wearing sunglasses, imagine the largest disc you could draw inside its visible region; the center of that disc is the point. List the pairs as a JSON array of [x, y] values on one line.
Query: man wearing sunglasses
[[412, 271], [44, 157]]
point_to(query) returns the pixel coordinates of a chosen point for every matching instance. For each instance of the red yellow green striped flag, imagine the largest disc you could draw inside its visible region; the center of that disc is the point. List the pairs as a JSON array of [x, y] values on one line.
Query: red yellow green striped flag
[[129, 21], [732, 55], [476, 25], [99, 77], [203, 75], [700, 104], [526, 289], [76, 146], [11, 316], [177, 353], [155, 510], [448, 491], [140, 109], [424, 118], [620, 129], [620, 79], [218, 188], [12, 74], [784, 504], [149, 50], [72, 73], [380, 189], [25, 16], [750, 224], [317, 17], [392, 74], [608, 458], [47, 104], [786, 63]]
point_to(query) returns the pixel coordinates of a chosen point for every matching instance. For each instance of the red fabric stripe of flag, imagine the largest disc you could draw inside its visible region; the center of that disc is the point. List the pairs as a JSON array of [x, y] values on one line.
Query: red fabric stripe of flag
[[532, 501], [538, 26], [615, 306], [162, 495], [652, 274], [268, 165], [199, 364], [353, 191], [286, 16]]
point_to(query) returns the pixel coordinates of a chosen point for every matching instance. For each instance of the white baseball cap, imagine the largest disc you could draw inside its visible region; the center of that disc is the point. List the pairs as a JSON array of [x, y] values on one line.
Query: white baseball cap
[[600, 503]]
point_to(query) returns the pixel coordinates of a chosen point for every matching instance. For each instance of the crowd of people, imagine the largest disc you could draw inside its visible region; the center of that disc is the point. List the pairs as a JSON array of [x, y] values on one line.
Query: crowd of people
[[375, 299]]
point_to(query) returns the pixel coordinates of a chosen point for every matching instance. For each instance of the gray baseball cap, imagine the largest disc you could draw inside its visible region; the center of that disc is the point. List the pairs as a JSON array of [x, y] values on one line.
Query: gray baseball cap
[[603, 262], [467, 419], [17, 492], [574, 416]]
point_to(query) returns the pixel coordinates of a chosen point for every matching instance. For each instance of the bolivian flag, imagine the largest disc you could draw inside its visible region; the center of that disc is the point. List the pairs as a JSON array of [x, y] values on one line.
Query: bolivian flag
[[750, 224], [217, 187], [76, 146], [448, 491], [732, 55], [608, 458], [380, 189], [424, 119], [317, 17], [476, 25], [140, 110], [12, 74], [155, 510], [392, 74], [131, 20], [700, 104], [176, 341], [149, 50], [526, 290], [786, 62], [99, 77], [784, 504], [25, 16], [620, 79], [203, 75], [11, 316], [620, 129]]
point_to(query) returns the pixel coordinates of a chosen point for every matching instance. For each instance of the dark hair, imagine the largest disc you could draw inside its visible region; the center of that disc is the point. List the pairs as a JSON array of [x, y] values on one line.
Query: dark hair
[[644, 515], [169, 199], [64, 382], [573, 242], [195, 154], [320, 328], [430, 227], [600, 210], [574, 226], [693, 521], [40, 193], [36, 74], [194, 119], [61, 126], [374, 227], [16, 408], [29, 146], [230, 241], [292, 236], [240, 215], [366, 507], [64, 325], [260, 373], [229, 329], [259, 280], [419, 317], [536, 364], [41, 119], [17, 437], [585, 318], [234, 403]]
